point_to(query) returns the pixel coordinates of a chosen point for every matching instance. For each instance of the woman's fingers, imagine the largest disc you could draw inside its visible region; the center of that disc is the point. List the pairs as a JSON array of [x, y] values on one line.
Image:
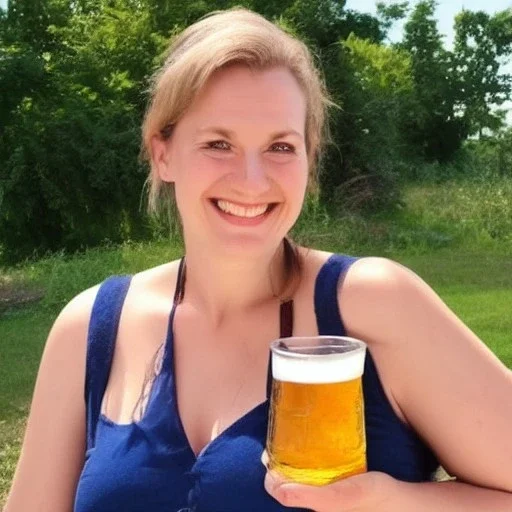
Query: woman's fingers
[[359, 493]]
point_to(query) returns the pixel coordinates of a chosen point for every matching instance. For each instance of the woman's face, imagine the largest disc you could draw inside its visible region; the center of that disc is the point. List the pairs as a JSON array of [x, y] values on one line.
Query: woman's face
[[238, 161]]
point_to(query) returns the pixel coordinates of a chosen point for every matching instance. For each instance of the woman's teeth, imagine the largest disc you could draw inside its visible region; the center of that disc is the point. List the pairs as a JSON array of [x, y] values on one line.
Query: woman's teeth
[[242, 211]]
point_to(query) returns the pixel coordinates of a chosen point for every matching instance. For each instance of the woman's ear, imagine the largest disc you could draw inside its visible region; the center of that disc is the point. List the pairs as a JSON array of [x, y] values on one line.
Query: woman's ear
[[161, 157]]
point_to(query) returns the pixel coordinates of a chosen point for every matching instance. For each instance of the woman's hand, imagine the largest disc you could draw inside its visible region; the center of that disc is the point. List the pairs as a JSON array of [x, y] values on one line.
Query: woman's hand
[[366, 492]]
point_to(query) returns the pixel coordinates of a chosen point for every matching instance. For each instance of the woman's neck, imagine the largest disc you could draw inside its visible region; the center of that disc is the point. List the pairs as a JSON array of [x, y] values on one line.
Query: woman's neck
[[222, 286]]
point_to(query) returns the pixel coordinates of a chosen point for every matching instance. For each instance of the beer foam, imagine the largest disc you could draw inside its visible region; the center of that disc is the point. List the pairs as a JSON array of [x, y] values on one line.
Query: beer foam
[[318, 369]]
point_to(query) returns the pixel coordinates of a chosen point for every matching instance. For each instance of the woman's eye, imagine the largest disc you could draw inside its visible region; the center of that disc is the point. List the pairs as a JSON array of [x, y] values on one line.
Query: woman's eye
[[219, 144], [281, 147]]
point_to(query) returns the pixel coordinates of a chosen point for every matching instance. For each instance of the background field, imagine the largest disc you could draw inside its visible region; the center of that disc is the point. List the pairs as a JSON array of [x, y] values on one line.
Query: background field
[[419, 168], [460, 260]]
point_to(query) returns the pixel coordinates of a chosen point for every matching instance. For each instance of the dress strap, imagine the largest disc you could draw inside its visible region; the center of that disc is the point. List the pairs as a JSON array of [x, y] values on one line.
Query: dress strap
[[285, 331], [286, 319], [326, 294], [180, 283], [101, 339], [179, 292]]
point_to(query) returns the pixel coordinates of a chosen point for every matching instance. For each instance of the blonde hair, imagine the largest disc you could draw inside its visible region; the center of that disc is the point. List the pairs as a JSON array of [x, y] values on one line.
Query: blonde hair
[[223, 38]]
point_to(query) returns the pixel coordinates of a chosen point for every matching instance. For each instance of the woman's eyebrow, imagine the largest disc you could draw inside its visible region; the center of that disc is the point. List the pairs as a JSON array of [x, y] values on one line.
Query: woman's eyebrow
[[229, 134], [223, 132], [286, 133]]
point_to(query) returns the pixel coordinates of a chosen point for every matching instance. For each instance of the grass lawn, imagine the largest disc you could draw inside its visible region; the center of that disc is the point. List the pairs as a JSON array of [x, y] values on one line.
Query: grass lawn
[[476, 284]]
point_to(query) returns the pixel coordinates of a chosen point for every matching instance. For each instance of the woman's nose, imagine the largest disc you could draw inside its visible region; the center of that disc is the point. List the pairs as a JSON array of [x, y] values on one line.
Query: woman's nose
[[254, 175]]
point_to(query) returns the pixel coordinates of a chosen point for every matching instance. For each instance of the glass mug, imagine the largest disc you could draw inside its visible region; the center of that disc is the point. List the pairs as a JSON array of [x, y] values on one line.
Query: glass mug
[[316, 432]]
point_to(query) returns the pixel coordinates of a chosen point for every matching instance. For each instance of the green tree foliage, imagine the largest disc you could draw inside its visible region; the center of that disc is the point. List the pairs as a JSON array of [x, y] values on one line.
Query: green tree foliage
[[492, 155], [73, 76], [457, 92], [70, 175], [324, 22], [433, 125], [374, 86], [390, 13], [482, 43]]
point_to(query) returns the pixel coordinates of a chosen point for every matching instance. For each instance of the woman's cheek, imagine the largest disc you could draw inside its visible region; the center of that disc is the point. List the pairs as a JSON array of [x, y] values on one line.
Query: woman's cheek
[[213, 166]]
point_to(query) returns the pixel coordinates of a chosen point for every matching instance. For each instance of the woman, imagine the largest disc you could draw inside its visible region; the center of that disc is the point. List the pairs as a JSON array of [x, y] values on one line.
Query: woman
[[175, 358]]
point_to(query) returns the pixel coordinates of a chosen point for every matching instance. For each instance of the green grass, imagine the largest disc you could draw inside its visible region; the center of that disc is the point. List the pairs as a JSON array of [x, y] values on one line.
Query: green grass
[[477, 212], [470, 268]]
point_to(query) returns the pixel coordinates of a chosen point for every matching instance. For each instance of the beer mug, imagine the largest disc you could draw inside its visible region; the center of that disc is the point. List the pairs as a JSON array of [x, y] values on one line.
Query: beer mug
[[316, 431]]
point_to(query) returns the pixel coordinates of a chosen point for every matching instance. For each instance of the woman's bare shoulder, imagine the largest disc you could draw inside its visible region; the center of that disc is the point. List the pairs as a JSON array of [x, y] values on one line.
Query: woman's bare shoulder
[[75, 316], [384, 289]]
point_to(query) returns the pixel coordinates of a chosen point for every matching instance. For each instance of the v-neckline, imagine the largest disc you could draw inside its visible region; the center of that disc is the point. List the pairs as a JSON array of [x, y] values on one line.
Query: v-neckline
[[285, 330]]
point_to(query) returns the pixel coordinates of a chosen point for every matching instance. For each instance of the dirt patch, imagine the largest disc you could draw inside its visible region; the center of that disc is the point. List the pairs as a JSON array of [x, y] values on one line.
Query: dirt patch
[[16, 294]]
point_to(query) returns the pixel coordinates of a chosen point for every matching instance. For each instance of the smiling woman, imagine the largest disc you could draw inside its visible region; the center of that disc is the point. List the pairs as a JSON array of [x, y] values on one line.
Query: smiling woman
[[256, 175], [218, 50], [175, 359]]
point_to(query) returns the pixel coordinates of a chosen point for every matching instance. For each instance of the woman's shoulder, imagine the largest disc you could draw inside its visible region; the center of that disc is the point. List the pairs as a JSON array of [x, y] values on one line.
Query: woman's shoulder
[[380, 278], [380, 296], [155, 282], [373, 292], [365, 272], [75, 315]]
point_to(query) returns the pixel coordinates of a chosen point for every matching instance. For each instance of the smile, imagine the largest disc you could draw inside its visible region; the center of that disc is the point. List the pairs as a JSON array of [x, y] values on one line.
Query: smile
[[237, 210]]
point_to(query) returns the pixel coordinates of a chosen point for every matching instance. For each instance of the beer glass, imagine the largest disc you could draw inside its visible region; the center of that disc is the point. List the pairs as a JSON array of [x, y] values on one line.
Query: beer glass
[[316, 431]]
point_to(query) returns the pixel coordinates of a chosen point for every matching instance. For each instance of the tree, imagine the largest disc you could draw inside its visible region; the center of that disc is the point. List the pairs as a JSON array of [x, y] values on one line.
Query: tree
[[434, 125], [482, 44], [27, 22], [388, 14], [324, 22], [373, 85], [70, 176]]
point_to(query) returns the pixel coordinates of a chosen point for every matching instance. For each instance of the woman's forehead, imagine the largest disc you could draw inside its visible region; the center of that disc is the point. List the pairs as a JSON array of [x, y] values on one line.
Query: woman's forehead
[[262, 96]]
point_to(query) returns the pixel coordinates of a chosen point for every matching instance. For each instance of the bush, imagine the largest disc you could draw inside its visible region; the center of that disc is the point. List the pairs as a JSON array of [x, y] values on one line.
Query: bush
[[372, 85], [71, 177], [477, 211]]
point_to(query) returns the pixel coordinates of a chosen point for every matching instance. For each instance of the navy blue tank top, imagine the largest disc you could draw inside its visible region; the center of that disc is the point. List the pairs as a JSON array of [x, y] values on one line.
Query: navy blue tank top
[[149, 466]]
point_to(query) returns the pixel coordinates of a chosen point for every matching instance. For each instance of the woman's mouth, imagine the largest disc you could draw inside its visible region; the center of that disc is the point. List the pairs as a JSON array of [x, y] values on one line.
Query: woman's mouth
[[243, 211]]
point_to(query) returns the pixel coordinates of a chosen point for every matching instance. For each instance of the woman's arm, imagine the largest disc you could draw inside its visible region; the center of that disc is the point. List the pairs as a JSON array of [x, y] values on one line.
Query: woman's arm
[[53, 448], [452, 497], [442, 380], [449, 386]]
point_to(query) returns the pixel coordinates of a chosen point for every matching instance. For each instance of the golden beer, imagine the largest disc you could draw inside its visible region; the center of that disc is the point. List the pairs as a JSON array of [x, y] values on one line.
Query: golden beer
[[316, 431]]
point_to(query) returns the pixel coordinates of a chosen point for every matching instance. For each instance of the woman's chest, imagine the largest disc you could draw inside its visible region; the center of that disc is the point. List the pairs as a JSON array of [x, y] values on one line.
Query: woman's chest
[[222, 374], [146, 467]]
